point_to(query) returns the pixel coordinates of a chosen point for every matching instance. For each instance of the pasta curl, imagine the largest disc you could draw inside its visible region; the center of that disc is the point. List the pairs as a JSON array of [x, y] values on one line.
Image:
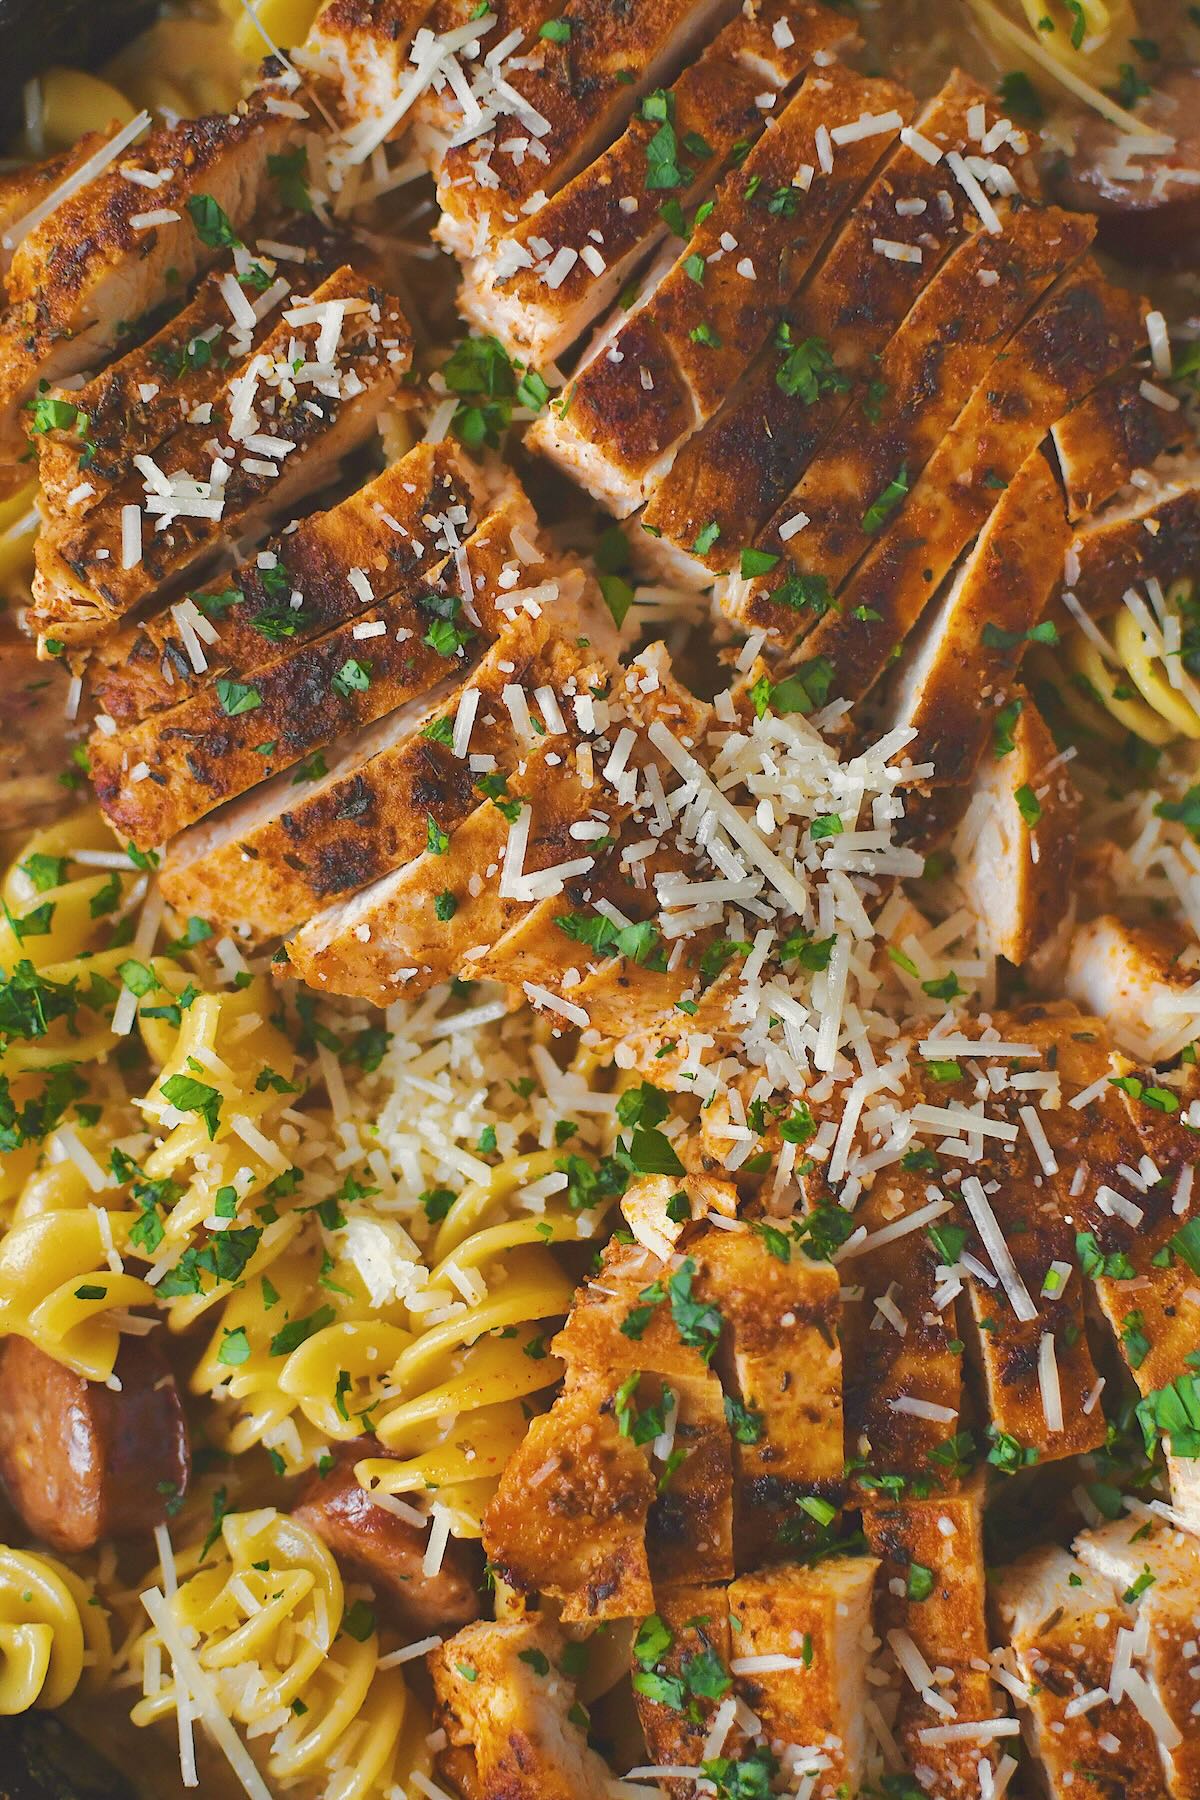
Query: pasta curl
[[53, 1634], [1143, 681], [267, 1618]]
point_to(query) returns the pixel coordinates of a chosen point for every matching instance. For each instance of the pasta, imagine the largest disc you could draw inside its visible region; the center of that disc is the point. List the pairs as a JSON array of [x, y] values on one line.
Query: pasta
[[1142, 683], [290, 1656], [53, 1633]]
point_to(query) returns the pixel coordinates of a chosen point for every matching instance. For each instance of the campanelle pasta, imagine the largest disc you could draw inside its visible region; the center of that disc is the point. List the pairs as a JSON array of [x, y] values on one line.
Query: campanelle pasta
[[53, 1632]]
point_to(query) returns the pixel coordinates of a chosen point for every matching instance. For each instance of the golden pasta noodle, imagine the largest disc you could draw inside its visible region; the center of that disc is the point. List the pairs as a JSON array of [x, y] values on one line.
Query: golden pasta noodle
[[53, 1634], [293, 1659], [1141, 682]]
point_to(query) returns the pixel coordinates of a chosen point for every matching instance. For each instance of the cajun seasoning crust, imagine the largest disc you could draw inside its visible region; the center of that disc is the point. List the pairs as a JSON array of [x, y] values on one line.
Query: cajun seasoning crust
[[86, 270], [690, 1529], [569, 1517], [1124, 1553], [503, 1699], [581, 89], [855, 300], [953, 681], [698, 1621], [396, 531], [210, 748], [717, 109], [1145, 534], [819, 1618], [1106, 437], [881, 1365], [932, 1585], [82, 584], [280, 854], [941, 352], [1081, 333], [619, 427], [1063, 1639]]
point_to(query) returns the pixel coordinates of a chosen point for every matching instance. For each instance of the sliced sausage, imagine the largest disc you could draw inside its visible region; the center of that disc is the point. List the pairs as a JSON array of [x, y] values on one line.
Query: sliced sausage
[[377, 1546], [1148, 207], [82, 1461]]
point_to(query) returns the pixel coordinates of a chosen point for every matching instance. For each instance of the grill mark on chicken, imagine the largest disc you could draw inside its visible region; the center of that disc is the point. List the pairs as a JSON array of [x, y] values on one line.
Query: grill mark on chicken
[[627, 419], [82, 586], [393, 531], [716, 110], [854, 302]]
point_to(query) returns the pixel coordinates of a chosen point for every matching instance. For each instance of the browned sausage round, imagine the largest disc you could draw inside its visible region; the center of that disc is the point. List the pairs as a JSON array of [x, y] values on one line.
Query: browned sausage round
[[81, 1461], [1155, 215], [378, 1547]]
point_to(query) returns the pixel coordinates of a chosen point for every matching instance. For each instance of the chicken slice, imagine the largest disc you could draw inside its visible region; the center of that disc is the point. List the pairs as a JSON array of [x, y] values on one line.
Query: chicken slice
[[138, 401], [1026, 1308], [570, 1514], [1064, 1625], [1141, 980], [1080, 334], [689, 1634], [392, 533], [896, 1341], [780, 1359], [689, 1535], [647, 382], [858, 296], [288, 430], [570, 97], [1151, 531], [275, 857], [1116, 430], [232, 734], [362, 47], [389, 935], [931, 1610], [86, 268], [955, 331], [503, 1699], [1123, 1173], [1017, 842], [801, 1638], [957, 672], [519, 287], [1156, 1570]]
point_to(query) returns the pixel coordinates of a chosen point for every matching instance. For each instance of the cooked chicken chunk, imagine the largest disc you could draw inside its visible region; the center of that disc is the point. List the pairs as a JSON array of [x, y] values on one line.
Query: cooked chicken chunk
[[573, 93], [569, 1517], [503, 1698], [859, 294], [945, 347], [932, 1597], [1156, 1570], [539, 286], [1151, 531], [90, 265], [695, 1624], [1018, 841], [968, 647], [1064, 1627], [1141, 980], [232, 734], [392, 533], [1116, 430], [1081, 333], [310, 393], [815, 1622]]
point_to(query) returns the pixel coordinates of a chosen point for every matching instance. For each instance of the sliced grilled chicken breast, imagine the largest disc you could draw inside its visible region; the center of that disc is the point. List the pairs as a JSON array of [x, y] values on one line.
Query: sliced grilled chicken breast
[[112, 250], [648, 382], [542, 284], [572, 95], [1117, 430], [289, 427]]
